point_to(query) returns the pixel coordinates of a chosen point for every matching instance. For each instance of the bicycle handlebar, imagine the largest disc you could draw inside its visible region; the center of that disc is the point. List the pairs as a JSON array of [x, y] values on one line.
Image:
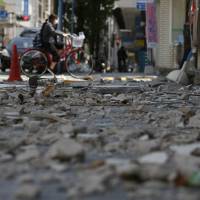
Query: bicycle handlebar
[[67, 35], [71, 35]]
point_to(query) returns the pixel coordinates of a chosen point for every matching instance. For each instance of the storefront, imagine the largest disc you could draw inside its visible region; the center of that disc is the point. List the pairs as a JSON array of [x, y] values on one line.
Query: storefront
[[129, 30]]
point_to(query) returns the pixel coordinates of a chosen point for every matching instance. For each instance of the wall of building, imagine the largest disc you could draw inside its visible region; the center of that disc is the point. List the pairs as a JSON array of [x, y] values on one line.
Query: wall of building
[[39, 10], [164, 46], [171, 18], [45, 8]]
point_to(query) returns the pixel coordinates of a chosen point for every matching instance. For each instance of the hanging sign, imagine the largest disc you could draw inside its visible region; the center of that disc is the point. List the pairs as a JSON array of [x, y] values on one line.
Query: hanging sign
[[141, 5], [151, 25], [3, 14], [26, 8]]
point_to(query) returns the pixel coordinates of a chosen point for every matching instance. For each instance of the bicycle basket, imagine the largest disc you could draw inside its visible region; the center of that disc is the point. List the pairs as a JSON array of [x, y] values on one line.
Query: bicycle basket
[[77, 41]]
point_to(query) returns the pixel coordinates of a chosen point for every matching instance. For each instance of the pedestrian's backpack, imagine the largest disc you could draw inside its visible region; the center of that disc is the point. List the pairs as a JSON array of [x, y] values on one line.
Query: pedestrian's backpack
[[37, 41]]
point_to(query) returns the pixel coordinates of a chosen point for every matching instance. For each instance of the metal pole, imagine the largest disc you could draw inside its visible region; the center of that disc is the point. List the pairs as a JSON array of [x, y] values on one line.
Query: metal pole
[[109, 41], [60, 15], [60, 24], [73, 15]]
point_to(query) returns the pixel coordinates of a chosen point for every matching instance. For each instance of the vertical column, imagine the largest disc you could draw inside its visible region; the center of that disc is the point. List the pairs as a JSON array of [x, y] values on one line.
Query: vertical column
[[60, 14], [49, 6], [73, 16], [109, 40], [165, 54]]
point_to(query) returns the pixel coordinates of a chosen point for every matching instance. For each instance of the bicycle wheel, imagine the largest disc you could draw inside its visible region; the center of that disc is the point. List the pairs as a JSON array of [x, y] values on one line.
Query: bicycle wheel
[[79, 64], [33, 63]]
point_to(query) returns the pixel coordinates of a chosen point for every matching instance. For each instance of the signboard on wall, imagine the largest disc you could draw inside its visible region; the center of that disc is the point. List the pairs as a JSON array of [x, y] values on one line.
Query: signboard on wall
[[151, 25], [141, 5], [3, 14], [26, 8]]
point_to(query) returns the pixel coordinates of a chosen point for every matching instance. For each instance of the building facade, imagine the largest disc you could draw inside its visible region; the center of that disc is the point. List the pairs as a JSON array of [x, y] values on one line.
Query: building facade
[[171, 19], [171, 15], [38, 10], [22, 14]]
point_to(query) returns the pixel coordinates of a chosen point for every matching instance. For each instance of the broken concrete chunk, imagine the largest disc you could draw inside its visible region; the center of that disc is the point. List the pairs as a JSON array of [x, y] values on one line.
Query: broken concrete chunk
[[28, 192], [28, 154], [185, 149], [154, 158], [195, 121], [66, 150]]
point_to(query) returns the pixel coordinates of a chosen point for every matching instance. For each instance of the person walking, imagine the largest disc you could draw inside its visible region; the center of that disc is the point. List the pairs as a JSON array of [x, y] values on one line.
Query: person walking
[[122, 56]]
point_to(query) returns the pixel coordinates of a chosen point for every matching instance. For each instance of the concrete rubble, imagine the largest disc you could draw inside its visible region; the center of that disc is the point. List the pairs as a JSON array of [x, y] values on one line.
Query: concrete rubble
[[100, 140]]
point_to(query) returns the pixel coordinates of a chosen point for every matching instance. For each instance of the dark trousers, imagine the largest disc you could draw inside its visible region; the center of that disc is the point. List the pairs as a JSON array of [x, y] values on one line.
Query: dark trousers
[[52, 49], [122, 65]]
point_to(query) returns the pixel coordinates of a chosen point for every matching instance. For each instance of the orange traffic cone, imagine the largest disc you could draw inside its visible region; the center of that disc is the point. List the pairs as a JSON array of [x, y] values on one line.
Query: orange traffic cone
[[14, 74]]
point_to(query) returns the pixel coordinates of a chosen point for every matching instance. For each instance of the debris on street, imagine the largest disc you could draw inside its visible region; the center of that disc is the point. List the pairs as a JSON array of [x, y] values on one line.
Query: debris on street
[[118, 139]]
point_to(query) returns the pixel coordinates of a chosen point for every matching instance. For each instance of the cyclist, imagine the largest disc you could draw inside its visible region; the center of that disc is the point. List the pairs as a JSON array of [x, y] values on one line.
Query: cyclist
[[49, 39]]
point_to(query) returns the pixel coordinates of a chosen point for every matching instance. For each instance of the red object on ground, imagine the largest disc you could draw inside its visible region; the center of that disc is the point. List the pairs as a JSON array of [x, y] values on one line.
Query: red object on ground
[[14, 74]]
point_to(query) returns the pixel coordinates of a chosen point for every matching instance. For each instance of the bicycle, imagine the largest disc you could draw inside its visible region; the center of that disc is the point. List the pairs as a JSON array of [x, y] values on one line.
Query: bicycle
[[77, 62]]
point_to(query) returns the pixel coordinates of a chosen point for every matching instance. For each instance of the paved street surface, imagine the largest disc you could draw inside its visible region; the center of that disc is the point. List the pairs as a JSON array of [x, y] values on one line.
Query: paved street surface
[[112, 137]]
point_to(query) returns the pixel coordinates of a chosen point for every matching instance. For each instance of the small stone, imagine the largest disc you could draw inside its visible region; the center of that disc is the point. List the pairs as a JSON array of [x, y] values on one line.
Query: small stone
[[194, 100], [185, 165], [96, 164], [154, 158], [58, 167], [195, 121], [185, 96], [50, 178], [80, 129], [144, 137], [128, 171], [6, 157], [28, 192], [188, 112], [88, 138], [92, 182], [28, 155], [172, 118], [145, 146], [113, 146], [31, 125], [4, 96], [154, 172], [108, 95], [66, 129], [65, 150], [27, 178], [196, 152], [185, 150], [122, 98]]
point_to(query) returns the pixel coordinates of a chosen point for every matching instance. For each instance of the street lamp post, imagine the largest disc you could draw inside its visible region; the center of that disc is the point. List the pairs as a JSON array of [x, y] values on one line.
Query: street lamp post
[[73, 16], [60, 23], [60, 15]]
